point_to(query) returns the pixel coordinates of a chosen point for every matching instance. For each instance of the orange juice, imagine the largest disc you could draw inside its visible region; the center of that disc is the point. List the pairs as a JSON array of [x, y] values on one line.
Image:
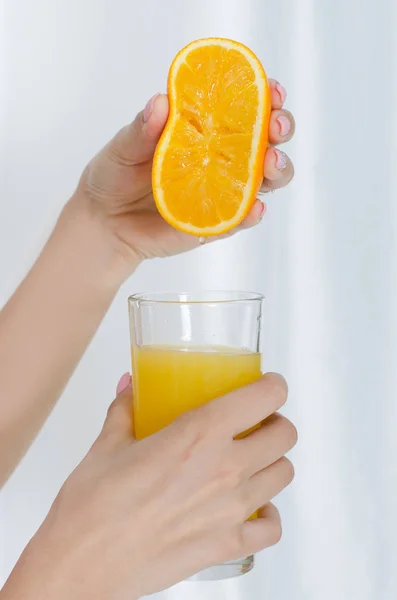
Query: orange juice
[[171, 380]]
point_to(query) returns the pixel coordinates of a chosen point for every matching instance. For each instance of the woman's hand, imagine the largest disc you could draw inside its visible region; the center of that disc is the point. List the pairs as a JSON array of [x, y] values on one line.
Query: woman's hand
[[116, 185], [107, 228], [137, 517]]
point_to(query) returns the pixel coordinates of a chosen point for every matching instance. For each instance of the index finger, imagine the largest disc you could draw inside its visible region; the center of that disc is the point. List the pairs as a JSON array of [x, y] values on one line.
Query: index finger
[[246, 407]]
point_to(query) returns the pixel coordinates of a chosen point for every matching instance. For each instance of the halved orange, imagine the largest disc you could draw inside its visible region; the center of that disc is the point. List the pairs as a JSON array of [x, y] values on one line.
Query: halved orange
[[208, 165]]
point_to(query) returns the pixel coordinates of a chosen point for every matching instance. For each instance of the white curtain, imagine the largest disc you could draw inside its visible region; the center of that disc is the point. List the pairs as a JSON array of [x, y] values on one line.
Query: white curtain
[[74, 71]]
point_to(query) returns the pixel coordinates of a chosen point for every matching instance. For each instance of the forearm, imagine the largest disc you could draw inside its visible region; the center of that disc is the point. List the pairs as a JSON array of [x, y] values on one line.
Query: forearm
[[47, 325]]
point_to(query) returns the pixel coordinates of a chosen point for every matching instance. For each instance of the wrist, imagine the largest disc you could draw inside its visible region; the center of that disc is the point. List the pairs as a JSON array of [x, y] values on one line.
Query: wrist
[[47, 571], [31, 580], [94, 241]]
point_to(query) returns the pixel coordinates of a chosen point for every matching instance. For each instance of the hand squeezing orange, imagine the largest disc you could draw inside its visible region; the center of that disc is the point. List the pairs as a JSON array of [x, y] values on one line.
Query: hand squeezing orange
[[208, 164]]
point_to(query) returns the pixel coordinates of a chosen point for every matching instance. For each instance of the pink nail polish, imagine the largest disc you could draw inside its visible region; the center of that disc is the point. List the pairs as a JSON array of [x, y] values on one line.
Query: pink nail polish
[[263, 211], [281, 160], [284, 125], [149, 108], [124, 383], [282, 91]]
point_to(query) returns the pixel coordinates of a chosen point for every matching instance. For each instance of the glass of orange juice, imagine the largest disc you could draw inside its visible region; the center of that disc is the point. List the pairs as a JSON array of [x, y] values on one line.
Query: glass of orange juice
[[188, 349]]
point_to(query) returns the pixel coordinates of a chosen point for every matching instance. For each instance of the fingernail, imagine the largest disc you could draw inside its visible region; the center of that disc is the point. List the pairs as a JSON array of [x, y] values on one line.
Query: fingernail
[[149, 108], [284, 125], [282, 91], [263, 210], [281, 160], [124, 383]]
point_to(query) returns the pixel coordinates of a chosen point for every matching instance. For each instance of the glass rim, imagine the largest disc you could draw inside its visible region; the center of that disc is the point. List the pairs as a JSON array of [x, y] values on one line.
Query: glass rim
[[199, 297]]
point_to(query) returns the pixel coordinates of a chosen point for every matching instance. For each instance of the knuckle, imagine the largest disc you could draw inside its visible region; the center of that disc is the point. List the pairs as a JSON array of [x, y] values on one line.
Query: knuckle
[[114, 149], [191, 426], [274, 533], [239, 508], [292, 435], [231, 546], [277, 387], [289, 432], [111, 409], [287, 469], [118, 418], [236, 501], [237, 512], [230, 477], [187, 421], [71, 493]]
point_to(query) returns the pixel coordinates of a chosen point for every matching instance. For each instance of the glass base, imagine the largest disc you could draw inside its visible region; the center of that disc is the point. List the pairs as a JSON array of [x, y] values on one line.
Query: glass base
[[227, 570]]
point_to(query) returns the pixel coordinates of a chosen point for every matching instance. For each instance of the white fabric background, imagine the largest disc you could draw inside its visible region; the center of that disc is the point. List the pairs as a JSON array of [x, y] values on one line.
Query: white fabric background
[[71, 73]]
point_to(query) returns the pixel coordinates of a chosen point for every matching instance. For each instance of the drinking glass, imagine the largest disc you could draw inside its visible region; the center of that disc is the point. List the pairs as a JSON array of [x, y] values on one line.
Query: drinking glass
[[188, 349]]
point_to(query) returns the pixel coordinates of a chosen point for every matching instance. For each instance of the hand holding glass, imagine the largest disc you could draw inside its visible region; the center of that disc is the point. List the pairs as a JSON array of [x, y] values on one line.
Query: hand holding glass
[[188, 349]]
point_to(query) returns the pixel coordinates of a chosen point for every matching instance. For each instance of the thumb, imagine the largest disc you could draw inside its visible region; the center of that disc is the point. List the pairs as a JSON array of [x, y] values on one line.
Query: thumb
[[136, 143], [119, 418]]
